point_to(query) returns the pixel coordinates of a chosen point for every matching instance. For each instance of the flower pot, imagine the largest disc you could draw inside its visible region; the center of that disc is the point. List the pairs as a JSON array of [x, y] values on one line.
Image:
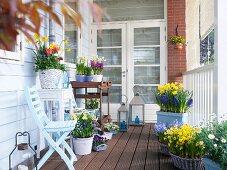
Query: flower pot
[[114, 132], [80, 78], [170, 117], [186, 164], [211, 165], [88, 78], [164, 149], [99, 148], [82, 146], [179, 46], [97, 78], [49, 79], [108, 135]]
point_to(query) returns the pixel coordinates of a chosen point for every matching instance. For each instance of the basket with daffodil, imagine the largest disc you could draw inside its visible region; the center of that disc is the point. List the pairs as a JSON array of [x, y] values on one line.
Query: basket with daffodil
[[47, 57], [186, 148]]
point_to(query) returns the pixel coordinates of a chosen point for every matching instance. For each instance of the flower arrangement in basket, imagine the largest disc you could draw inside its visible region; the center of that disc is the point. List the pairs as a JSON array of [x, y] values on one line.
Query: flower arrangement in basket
[[186, 148], [172, 97], [160, 130], [48, 57], [215, 139]]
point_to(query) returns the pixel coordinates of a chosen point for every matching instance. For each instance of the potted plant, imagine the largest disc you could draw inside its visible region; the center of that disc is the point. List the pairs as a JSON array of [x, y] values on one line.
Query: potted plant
[[186, 148], [92, 105], [110, 129], [215, 140], [83, 133], [48, 62], [178, 41], [174, 102], [99, 143], [88, 73], [97, 66], [160, 130], [80, 69]]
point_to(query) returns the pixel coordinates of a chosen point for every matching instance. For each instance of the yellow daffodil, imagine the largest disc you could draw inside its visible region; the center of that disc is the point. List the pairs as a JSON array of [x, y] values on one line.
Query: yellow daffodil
[[28, 40], [174, 92], [45, 39], [66, 42], [53, 46], [36, 36], [68, 49]]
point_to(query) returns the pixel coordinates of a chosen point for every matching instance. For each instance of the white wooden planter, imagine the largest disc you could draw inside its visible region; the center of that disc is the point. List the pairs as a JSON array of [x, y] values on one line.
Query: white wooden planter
[[49, 79]]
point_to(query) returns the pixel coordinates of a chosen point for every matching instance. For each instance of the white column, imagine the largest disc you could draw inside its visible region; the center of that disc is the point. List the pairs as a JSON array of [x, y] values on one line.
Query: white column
[[220, 82]]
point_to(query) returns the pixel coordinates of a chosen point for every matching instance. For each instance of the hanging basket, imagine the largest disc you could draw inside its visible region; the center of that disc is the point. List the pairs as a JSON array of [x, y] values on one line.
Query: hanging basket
[[49, 79], [179, 45], [186, 164]]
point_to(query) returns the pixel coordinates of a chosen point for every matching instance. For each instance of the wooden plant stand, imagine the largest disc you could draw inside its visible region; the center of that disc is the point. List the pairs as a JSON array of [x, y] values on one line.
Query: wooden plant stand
[[102, 90]]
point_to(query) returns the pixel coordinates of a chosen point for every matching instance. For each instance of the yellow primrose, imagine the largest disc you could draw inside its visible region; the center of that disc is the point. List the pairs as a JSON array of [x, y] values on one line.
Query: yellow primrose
[[36, 36], [44, 39], [28, 40], [84, 117]]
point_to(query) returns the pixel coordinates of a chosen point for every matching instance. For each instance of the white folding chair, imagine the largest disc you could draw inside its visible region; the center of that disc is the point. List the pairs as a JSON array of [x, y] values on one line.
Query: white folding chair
[[59, 130]]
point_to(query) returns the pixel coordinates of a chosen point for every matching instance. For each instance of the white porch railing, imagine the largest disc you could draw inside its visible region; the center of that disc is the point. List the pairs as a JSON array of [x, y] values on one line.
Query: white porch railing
[[201, 82]]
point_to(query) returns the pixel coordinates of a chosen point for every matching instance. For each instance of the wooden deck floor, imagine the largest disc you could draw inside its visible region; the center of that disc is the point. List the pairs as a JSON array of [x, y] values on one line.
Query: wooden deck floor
[[136, 149]]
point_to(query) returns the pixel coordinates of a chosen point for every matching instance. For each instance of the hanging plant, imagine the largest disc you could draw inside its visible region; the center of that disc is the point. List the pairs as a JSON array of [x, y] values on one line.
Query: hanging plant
[[178, 41]]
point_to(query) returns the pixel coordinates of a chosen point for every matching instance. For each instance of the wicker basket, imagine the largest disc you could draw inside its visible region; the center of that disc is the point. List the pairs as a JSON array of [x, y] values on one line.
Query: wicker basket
[[49, 79], [186, 164], [164, 149]]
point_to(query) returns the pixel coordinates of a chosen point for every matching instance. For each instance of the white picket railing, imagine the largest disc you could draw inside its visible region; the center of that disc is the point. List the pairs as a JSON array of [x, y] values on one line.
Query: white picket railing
[[201, 82]]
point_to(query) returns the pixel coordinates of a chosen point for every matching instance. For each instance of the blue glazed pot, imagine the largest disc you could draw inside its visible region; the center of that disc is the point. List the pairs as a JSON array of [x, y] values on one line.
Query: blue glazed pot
[[211, 165], [169, 117], [88, 78], [80, 78]]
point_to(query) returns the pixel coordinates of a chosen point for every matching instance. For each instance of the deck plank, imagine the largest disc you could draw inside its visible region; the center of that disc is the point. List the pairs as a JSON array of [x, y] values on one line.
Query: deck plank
[[127, 155], [139, 157], [152, 161], [115, 154], [102, 156]]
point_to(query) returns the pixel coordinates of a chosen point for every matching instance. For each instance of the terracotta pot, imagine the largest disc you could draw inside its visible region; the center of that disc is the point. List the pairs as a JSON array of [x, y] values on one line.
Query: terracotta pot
[[179, 45]]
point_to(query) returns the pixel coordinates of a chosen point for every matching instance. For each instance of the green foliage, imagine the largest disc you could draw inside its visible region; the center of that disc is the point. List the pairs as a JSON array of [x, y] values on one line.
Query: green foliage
[[215, 140], [177, 39], [80, 68], [91, 103], [88, 71], [84, 126]]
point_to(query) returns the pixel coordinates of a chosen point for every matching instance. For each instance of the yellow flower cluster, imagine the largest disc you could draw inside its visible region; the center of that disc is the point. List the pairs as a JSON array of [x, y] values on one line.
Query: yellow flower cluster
[[172, 87], [180, 136]]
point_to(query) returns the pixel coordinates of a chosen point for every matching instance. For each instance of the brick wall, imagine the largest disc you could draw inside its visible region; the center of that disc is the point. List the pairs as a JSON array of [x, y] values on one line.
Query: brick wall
[[176, 57]]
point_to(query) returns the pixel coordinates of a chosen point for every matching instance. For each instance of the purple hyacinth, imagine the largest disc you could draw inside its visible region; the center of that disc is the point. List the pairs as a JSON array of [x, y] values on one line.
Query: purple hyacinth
[[175, 102], [190, 101], [92, 63], [160, 128], [164, 99]]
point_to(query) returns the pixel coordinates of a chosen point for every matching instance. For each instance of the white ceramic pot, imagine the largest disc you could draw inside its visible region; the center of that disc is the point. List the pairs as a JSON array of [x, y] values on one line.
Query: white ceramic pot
[[97, 78], [82, 146], [49, 79], [108, 135]]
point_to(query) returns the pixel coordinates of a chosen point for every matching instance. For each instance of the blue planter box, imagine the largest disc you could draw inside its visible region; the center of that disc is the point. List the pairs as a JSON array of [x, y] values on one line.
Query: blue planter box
[[169, 117], [211, 165]]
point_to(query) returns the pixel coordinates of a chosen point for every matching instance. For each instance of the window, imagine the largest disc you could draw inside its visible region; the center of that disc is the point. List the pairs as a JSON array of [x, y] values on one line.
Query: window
[[15, 54], [71, 34], [207, 49]]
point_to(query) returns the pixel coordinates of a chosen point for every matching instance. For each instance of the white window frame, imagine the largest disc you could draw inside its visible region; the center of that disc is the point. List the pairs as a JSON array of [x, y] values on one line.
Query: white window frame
[[13, 56]]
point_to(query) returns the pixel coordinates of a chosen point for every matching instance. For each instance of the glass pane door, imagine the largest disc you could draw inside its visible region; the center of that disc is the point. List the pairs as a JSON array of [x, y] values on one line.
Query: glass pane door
[[146, 59], [111, 44]]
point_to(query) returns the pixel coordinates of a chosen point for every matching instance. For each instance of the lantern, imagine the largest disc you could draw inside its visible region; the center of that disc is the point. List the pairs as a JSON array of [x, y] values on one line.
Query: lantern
[[136, 110], [122, 118], [23, 156]]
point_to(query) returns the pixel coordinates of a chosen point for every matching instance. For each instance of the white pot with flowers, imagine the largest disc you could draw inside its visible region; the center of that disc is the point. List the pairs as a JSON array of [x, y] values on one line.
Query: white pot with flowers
[[97, 64], [48, 62], [110, 129]]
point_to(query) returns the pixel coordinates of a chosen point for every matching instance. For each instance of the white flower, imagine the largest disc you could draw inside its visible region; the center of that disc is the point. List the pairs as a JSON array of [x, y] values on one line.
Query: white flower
[[211, 136], [215, 145], [223, 140], [201, 143]]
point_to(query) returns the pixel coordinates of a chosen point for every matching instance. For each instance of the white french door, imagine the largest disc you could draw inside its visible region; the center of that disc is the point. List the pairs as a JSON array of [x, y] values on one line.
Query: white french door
[[135, 55]]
